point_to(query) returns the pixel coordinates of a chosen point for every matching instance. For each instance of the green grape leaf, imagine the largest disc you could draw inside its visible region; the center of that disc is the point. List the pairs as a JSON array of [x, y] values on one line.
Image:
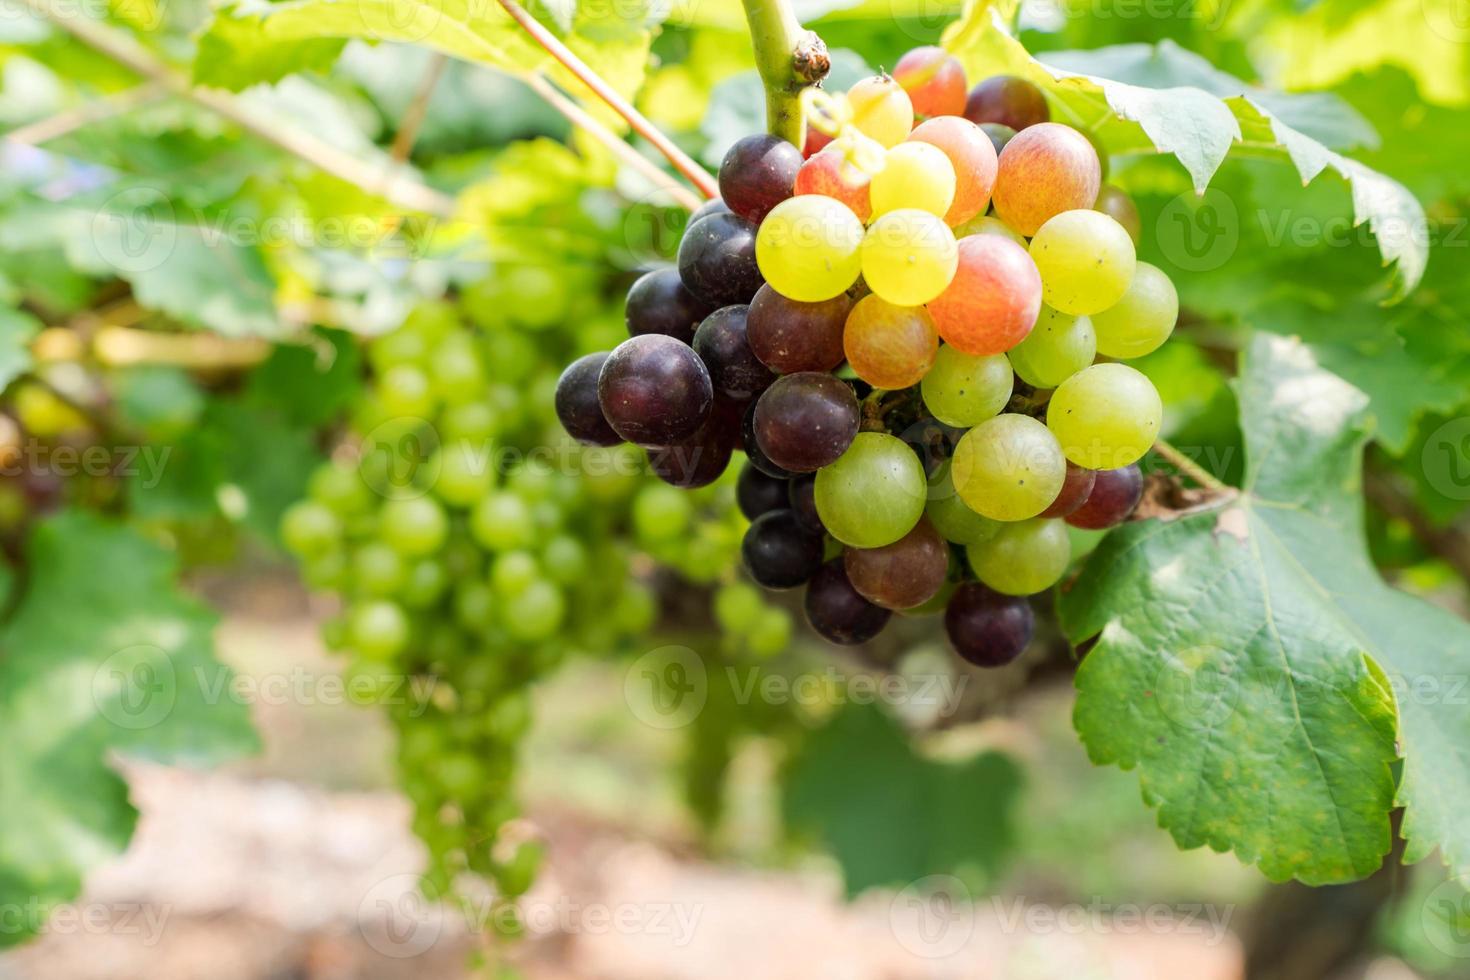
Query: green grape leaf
[[1198, 127], [16, 330], [103, 654], [1255, 669], [233, 54], [890, 816]]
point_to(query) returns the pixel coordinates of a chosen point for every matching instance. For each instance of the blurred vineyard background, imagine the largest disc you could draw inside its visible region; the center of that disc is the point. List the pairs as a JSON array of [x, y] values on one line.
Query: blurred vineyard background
[[232, 262]]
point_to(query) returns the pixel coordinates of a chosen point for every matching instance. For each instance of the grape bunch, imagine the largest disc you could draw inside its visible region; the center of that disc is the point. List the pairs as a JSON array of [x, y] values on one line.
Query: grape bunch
[[911, 328]]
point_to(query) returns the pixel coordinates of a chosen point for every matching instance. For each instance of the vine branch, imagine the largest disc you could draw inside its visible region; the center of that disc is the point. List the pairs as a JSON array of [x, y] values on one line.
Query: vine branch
[[788, 58], [1188, 467]]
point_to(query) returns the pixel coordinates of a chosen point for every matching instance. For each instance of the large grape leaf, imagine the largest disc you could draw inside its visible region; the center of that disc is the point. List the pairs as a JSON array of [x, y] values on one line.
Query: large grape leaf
[[1197, 127], [890, 816], [102, 654], [1256, 670]]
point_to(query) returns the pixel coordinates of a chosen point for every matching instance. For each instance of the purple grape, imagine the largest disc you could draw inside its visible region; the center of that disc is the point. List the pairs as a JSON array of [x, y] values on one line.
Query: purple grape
[[801, 495], [659, 303], [654, 390], [714, 205], [789, 336], [907, 573], [717, 259], [753, 451], [1115, 493], [577, 405], [838, 612], [1076, 485], [756, 493], [758, 173], [778, 552], [694, 462], [805, 421], [1007, 100], [986, 628], [733, 368]]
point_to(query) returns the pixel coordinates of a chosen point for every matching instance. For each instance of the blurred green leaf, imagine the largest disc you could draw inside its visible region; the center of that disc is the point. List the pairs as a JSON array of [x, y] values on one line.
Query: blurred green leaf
[[234, 54], [16, 331]]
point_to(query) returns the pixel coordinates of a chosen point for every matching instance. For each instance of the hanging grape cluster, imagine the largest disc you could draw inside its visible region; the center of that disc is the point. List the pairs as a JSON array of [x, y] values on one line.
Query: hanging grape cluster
[[912, 331]]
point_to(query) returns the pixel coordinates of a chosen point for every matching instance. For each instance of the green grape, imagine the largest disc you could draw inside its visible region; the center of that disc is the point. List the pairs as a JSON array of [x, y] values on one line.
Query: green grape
[[402, 347], [737, 606], [514, 877], [474, 605], [473, 423], [377, 569], [908, 257], [1143, 319], [914, 175], [456, 370], [536, 613], [431, 321], [1009, 468], [309, 528], [661, 513], [533, 481], [636, 609], [501, 522], [1023, 558], [1058, 347], [327, 570], [770, 633], [565, 560], [340, 488], [464, 473], [413, 526], [986, 224], [406, 392], [963, 390], [951, 516], [1086, 261], [511, 572], [1105, 417], [808, 248], [378, 629], [874, 494], [426, 581], [514, 355]]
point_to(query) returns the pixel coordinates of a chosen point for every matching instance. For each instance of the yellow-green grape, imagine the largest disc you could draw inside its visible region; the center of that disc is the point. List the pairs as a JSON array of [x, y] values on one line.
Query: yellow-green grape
[[1086, 261], [465, 472], [951, 516], [808, 248], [1008, 468], [986, 224], [310, 529], [881, 109], [964, 390], [908, 257], [378, 629], [1023, 558], [1105, 416], [874, 494], [413, 526], [1058, 347], [1142, 320], [43, 414], [914, 175]]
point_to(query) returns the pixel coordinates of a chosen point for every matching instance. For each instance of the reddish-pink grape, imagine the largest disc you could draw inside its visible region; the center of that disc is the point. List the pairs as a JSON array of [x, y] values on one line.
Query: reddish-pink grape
[[934, 80], [1116, 204], [830, 173], [1114, 496], [889, 346], [1076, 485], [1043, 171], [993, 301], [974, 160], [1007, 100]]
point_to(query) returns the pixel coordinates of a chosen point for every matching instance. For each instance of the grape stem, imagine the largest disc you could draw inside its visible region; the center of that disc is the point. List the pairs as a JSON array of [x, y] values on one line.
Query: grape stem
[[682, 162], [1188, 467], [789, 58]]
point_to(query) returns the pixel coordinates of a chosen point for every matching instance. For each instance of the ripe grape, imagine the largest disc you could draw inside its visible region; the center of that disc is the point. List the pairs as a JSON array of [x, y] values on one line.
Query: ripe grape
[[511, 572], [733, 368], [1116, 204], [801, 496], [962, 389], [805, 421], [1106, 416], [405, 392], [413, 526], [1023, 558], [1058, 347], [714, 205], [874, 494], [915, 175], [502, 521], [1143, 319], [934, 81], [986, 628], [1086, 260], [536, 613], [377, 569], [909, 257], [577, 405], [993, 300], [752, 447], [717, 259], [378, 629], [757, 174], [1075, 488], [659, 303], [904, 574], [881, 109], [790, 336], [999, 134], [756, 493], [654, 390], [889, 346], [1043, 171], [1007, 100], [832, 174], [988, 225], [973, 158], [1009, 468], [310, 529], [808, 248], [780, 553], [814, 142], [1114, 496], [838, 612], [694, 462], [951, 516]]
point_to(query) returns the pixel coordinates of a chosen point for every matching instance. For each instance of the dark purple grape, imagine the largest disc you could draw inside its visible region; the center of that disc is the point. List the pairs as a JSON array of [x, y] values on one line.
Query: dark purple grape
[[758, 173], [659, 303], [717, 259], [789, 336], [1000, 134], [654, 390], [778, 552], [577, 405], [753, 451], [734, 369], [986, 628], [838, 612], [1115, 494], [756, 492], [694, 462], [907, 573], [714, 205], [805, 421], [1007, 100], [1076, 485], [801, 495]]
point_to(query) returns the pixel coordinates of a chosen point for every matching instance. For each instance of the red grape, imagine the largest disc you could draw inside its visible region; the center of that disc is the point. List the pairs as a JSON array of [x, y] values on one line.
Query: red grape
[[577, 406], [974, 160], [889, 346], [1116, 204], [901, 575], [1007, 100], [994, 299], [1114, 496], [1076, 485], [717, 259], [756, 492], [1043, 171], [659, 303], [790, 336], [733, 368], [934, 80], [832, 174], [806, 421], [779, 553]]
